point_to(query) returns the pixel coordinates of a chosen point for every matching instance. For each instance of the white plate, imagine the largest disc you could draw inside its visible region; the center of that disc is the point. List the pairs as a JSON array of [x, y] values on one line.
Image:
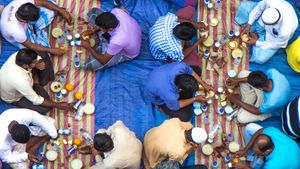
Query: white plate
[[51, 155], [76, 164], [88, 108], [56, 86], [198, 111], [231, 73]]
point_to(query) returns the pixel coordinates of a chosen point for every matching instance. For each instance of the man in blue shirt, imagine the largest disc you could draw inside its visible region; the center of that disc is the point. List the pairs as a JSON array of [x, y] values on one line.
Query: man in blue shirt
[[263, 95], [268, 148], [172, 86]]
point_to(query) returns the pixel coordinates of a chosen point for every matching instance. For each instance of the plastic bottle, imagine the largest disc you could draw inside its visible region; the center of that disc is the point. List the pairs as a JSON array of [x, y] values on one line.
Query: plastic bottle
[[215, 165], [79, 113], [206, 119], [38, 166], [76, 61], [221, 111], [64, 131], [63, 79], [61, 40], [55, 147], [237, 60], [206, 54], [232, 115], [77, 104], [227, 159], [87, 136], [230, 137], [72, 149], [59, 97], [213, 132], [206, 2], [218, 4], [223, 41], [231, 34]]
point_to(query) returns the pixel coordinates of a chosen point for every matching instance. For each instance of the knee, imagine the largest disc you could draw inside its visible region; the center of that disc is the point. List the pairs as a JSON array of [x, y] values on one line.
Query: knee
[[243, 73], [243, 119]]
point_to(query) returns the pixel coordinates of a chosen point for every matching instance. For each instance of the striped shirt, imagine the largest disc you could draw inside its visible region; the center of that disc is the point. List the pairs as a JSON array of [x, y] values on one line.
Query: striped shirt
[[163, 43], [291, 119]]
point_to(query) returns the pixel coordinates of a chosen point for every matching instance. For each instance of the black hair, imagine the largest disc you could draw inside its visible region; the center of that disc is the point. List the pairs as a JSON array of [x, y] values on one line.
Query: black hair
[[25, 56], [106, 20], [188, 85], [258, 79], [170, 164], [28, 12], [265, 146], [188, 135], [185, 31], [103, 142], [20, 133]]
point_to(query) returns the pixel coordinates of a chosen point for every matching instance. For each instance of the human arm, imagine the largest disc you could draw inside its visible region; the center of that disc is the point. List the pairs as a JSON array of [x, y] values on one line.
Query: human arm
[[236, 81], [41, 48], [12, 157], [250, 108], [280, 42], [58, 105], [103, 59], [206, 86], [187, 49], [258, 10], [245, 150], [241, 165], [49, 5], [199, 25]]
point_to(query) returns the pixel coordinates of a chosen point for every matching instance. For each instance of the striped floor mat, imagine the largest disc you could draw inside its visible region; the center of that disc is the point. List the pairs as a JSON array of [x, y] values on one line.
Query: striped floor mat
[[83, 81], [225, 15]]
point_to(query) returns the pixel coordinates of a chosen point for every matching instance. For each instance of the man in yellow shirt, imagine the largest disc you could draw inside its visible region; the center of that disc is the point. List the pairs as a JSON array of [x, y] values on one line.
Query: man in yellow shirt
[[172, 140]]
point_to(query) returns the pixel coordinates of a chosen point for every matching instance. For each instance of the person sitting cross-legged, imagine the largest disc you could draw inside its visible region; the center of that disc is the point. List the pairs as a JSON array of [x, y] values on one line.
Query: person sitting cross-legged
[[120, 38], [23, 22], [22, 78], [262, 94], [23, 131], [172, 86], [116, 147], [268, 148]]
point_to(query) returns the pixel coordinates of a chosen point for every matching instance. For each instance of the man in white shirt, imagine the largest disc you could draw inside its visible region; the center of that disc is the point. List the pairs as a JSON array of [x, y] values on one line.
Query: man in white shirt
[[23, 126], [120, 148], [22, 78], [275, 21], [18, 15]]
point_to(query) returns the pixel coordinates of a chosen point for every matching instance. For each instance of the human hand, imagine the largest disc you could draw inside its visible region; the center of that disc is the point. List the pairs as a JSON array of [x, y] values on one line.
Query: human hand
[[94, 152], [57, 51], [201, 26], [66, 15], [240, 165], [40, 65], [232, 81], [85, 149], [86, 34], [200, 98], [33, 158], [251, 41], [85, 44], [66, 106], [241, 153], [246, 30]]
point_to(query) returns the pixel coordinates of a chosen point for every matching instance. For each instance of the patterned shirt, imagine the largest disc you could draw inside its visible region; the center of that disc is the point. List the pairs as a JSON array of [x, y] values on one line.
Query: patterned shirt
[[163, 43]]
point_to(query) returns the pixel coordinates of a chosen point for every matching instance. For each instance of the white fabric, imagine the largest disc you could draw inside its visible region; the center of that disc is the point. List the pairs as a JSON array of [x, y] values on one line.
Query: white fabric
[[12, 29], [16, 82], [127, 149], [26, 117], [270, 16], [286, 26], [199, 135]]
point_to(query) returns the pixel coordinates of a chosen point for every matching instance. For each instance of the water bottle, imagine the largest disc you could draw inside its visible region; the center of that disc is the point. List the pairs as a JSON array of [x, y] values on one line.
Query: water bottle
[[87, 136], [206, 54], [232, 115], [79, 113], [218, 4], [221, 111], [215, 165], [59, 97], [231, 34], [206, 119], [230, 137], [61, 40], [237, 60], [63, 79], [204, 108], [227, 159], [71, 150], [38, 166], [223, 41], [213, 132], [76, 61], [64, 131], [206, 2], [55, 147], [77, 104]]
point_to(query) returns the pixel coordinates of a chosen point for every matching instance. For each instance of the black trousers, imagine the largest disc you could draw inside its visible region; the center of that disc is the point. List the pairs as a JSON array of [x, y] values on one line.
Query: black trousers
[[186, 113], [44, 76]]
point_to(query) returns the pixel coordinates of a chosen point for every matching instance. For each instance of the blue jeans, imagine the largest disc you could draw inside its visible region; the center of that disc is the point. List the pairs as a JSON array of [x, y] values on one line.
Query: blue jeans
[[258, 55]]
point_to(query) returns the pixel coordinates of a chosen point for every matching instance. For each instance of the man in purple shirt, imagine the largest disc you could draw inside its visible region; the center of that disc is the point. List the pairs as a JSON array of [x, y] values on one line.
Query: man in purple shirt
[[120, 38]]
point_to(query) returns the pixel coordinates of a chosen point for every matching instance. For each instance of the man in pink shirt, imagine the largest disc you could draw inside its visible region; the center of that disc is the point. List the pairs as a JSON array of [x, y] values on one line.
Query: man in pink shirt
[[120, 39]]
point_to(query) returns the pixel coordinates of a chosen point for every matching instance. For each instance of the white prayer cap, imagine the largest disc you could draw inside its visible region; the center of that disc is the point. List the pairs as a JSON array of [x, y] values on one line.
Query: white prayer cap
[[199, 135], [270, 16]]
